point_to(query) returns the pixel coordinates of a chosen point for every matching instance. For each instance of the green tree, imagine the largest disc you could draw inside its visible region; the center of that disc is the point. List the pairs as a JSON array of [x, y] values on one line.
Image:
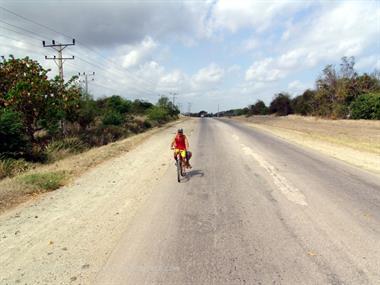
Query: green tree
[[259, 108], [158, 114], [42, 103], [366, 106], [281, 105], [304, 104], [113, 117], [12, 133]]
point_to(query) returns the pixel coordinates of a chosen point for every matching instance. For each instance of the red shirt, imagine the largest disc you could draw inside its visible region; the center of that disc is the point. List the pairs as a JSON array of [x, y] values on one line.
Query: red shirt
[[180, 142]]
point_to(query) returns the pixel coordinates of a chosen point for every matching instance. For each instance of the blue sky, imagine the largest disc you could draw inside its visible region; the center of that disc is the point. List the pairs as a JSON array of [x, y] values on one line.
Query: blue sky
[[230, 53]]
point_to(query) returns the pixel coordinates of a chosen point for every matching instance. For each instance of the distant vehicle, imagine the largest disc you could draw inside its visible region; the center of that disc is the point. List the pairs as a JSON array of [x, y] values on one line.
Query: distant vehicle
[[202, 116]]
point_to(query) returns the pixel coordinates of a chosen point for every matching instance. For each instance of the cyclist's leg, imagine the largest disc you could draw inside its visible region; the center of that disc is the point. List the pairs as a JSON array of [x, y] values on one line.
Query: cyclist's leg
[[175, 153]]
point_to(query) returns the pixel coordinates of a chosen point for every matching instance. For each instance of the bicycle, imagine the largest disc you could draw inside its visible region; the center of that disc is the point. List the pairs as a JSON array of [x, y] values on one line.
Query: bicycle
[[181, 166]]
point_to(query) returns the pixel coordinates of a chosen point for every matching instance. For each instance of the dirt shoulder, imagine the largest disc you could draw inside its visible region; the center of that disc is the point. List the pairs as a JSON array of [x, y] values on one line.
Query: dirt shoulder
[[65, 236], [355, 142], [26, 186]]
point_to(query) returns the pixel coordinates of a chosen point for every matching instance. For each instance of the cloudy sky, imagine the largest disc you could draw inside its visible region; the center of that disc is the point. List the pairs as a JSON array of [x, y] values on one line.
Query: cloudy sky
[[225, 52]]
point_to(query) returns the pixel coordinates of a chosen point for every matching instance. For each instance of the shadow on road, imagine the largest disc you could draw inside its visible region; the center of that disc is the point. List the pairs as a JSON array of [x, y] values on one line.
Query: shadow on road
[[195, 172], [192, 173]]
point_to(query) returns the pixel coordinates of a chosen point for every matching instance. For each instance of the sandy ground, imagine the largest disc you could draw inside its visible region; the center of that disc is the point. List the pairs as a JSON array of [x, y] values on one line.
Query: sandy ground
[[355, 142], [65, 236], [12, 192]]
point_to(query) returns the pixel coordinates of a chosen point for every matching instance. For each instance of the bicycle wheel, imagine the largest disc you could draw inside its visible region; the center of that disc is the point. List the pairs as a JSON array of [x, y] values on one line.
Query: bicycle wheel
[[183, 173], [179, 170]]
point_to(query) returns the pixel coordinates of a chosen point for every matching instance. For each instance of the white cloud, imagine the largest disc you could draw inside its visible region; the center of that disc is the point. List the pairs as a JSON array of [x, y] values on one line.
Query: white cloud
[[139, 53], [369, 63], [338, 29], [263, 70], [234, 15], [209, 74], [296, 87]]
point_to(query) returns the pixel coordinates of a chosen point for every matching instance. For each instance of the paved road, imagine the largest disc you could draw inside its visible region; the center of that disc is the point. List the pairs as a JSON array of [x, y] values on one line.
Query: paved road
[[254, 210]]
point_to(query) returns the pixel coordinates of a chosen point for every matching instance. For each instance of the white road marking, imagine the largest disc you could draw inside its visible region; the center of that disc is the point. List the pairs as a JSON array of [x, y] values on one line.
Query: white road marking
[[291, 193]]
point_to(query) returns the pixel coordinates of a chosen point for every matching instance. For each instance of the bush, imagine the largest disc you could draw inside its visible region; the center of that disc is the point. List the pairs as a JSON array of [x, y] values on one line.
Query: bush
[[281, 105], [258, 109], [58, 149], [10, 167], [140, 107], [366, 106], [158, 114], [303, 104], [103, 135], [113, 118], [44, 181], [138, 125], [13, 140]]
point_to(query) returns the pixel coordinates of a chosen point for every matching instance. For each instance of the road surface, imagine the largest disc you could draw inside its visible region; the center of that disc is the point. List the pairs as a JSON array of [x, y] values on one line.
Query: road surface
[[254, 210]]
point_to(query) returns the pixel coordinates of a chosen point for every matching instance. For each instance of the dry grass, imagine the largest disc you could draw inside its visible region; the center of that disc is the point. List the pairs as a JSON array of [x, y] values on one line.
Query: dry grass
[[51, 176], [353, 141], [10, 167]]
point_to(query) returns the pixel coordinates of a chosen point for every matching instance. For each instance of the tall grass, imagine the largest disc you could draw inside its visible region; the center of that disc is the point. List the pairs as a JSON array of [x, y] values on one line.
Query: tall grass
[[10, 167], [59, 149]]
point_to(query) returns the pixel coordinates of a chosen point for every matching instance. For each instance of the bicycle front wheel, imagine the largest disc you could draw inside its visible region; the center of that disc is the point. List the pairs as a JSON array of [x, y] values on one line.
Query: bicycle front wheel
[[179, 170]]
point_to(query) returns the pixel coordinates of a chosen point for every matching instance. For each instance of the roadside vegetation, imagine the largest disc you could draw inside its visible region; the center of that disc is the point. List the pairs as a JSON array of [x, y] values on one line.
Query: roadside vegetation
[[44, 120], [340, 93]]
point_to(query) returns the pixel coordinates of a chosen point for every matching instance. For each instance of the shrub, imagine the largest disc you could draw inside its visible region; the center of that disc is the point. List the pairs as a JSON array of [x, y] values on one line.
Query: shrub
[[158, 114], [13, 140], [102, 135], [138, 125], [258, 109], [303, 104], [10, 167], [58, 149], [281, 105], [113, 118], [140, 107], [44, 181], [86, 113], [366, 106]]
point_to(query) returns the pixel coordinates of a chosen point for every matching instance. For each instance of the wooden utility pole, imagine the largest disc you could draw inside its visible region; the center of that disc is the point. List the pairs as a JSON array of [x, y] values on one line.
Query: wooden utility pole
[[86, 75], [60, 59]]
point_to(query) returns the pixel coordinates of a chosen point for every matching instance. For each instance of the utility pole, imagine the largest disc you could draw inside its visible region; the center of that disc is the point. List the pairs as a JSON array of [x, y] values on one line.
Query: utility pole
[[179, 107], [60, 59], [217, 114], [173, 94], [189, 108], [86, 75]]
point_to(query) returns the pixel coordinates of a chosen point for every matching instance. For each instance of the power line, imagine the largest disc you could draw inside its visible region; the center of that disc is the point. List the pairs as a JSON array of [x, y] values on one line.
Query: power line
[[18, 32], [86, 75], [34, 22], [115, 72], [147, 88], [26, 30], [17, 40], [98, 66], [60, 59], [84, 45]]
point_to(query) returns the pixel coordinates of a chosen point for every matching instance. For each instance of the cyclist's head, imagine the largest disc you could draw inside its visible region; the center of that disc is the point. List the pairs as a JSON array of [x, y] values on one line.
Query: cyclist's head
[[180, 131]]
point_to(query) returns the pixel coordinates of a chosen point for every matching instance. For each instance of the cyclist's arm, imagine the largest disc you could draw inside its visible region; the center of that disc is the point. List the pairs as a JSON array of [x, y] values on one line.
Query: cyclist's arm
[[187, 143], [173, 143]]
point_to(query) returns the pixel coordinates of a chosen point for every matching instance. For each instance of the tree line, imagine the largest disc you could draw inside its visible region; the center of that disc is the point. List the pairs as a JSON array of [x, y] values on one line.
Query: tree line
[[40, 116], [340, 93]]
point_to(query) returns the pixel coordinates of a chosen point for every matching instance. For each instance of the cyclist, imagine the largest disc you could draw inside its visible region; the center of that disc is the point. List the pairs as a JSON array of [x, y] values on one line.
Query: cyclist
[[180, 144]]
